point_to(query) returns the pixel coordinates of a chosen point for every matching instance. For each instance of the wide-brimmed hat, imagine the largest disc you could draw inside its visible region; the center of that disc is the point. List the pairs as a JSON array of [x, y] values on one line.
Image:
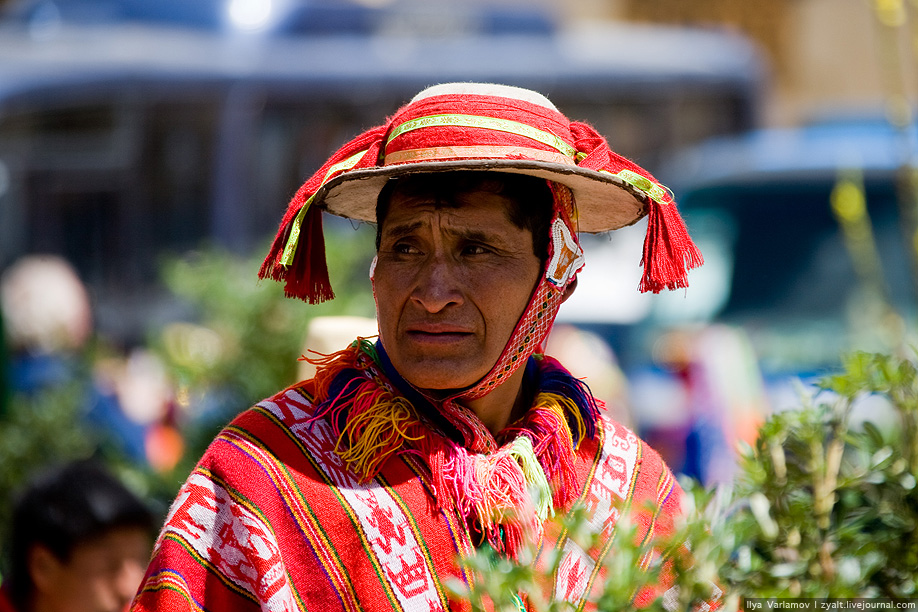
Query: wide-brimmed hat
[[485, 127]]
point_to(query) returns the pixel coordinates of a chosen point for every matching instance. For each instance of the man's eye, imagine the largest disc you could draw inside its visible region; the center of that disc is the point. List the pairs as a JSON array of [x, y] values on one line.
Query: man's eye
[[475, 249], [405, 248]]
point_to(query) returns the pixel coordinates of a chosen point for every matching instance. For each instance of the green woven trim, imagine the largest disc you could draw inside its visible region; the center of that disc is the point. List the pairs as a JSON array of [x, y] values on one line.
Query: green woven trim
[[656, 191], [488, 123], [293, 239]]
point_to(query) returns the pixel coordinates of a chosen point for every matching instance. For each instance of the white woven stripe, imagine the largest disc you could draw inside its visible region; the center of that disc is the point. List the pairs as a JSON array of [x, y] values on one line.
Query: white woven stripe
[[486, 89]]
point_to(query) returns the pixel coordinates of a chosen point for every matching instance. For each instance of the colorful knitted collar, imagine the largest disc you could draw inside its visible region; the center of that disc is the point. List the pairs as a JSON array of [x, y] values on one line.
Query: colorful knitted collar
[[505, 491]]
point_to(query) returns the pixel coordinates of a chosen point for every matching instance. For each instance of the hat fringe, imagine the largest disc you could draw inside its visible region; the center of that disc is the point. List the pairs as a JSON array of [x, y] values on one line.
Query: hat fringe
[[307, 277], [303, 268], [669, 252]]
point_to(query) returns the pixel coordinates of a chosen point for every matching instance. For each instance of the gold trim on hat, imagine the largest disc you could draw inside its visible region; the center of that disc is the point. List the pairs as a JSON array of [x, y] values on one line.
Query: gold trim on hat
[[476, 152], [487, 123]]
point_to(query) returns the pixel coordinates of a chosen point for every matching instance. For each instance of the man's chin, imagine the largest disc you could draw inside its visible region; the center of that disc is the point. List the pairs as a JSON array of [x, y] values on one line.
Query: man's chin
[[441, 385]]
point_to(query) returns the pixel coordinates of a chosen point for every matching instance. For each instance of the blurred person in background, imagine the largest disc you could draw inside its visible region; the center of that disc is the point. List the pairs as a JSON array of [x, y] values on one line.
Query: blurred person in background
[[360, 488], [711, 399], [591, 358], [79, 542], [48, 320]]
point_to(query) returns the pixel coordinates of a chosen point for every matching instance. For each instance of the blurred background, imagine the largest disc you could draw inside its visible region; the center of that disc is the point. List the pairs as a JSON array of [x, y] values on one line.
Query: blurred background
[[148, 149]]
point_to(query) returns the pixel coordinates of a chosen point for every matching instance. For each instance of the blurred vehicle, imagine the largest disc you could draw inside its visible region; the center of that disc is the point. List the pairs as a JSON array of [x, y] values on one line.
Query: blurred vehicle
[[806, 234], [122, 142], [289, 17], [812, 228]]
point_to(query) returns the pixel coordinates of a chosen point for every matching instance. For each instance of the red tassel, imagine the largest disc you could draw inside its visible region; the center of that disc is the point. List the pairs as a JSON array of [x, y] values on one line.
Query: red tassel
[[307, 277], [669, 252]]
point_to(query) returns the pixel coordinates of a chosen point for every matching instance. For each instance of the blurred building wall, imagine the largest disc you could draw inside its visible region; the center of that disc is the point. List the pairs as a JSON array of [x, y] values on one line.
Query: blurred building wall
[[843, 55], [824, 53]]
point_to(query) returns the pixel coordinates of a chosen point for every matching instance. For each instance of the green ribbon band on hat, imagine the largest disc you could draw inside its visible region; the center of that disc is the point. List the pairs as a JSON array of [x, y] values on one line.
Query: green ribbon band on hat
[[656, 191], [293, 239], [488, 123]]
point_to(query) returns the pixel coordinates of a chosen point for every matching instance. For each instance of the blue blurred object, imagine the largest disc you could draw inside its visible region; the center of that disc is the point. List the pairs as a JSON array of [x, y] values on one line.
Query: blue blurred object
[[288, 17], [202, 14], [770, 193], [811, 154]]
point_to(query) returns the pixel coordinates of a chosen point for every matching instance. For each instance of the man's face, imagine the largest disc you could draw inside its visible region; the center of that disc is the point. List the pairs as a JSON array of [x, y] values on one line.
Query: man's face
[[451, 284], [101, 575]]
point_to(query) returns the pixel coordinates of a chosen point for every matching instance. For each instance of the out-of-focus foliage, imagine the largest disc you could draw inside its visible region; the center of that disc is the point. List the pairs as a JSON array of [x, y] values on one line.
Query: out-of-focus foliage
[[239, 343], [632, 565], [243, 339], [38, 428], [822, 507], [836, 505]]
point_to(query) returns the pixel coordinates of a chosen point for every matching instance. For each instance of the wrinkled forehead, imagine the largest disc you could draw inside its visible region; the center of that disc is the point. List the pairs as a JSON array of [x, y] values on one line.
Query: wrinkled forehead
[[465, 212], [520, 197]]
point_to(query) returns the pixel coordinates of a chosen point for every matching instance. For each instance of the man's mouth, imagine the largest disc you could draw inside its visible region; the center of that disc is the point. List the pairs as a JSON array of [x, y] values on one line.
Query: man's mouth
[[438, 332]]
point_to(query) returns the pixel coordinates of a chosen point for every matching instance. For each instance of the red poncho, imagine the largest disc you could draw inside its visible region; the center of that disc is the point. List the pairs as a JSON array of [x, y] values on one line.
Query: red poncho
[[273, 518]]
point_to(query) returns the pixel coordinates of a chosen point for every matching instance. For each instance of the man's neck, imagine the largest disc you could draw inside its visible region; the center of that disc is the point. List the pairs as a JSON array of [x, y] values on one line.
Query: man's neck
[[503, 405]]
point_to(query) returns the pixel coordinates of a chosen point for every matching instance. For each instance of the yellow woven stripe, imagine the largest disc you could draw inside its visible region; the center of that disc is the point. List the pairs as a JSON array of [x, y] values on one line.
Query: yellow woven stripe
[[293, 239], [412, 155], [656, 191], [665, 485], [487, 123], [345, 505], [172, 581]]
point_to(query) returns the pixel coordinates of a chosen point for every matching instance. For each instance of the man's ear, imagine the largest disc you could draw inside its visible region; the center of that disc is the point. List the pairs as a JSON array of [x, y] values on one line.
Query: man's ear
[[43, 568], [569, 290]]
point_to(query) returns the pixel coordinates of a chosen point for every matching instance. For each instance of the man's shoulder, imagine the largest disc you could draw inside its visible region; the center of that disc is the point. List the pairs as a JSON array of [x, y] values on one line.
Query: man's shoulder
[[286, 425], [280, 424], [617, 434], [285, 408], [277, 434], [289, 406], [620, 439]]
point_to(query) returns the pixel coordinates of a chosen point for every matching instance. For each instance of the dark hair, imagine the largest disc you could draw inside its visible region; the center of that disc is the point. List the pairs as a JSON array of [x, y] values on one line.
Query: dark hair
[[531, 197], [66, 507]]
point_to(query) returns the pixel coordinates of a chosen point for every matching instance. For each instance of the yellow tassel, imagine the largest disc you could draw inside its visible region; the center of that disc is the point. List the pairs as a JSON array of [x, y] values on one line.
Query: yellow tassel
[[376, 434], [563, 407], [536, 482]]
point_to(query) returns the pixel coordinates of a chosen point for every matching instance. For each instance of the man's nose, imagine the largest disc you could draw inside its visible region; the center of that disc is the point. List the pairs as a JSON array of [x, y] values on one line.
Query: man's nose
[[437, 287]]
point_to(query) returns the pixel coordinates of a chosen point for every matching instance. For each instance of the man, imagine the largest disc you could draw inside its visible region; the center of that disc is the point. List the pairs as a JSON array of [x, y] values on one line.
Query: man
[[79, 542], [360, 488]]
